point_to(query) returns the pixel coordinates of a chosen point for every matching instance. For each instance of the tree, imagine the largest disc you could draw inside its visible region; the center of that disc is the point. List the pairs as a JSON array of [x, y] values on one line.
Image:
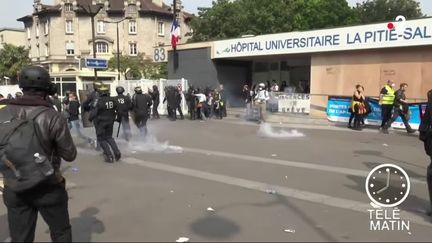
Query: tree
[[129, 66], [372, 11], [12, 60], [232, 19], [137, 67]]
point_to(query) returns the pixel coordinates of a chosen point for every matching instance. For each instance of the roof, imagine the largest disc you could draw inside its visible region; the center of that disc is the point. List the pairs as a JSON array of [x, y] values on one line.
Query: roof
[[147, 6], [11, 29]]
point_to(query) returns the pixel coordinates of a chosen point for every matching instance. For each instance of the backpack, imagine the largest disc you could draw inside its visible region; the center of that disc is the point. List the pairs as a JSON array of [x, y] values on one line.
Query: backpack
[[23, 162]]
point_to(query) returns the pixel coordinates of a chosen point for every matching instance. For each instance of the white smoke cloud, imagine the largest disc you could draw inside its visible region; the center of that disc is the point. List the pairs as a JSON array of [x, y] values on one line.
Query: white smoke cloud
[[148, 144], [267, 131]]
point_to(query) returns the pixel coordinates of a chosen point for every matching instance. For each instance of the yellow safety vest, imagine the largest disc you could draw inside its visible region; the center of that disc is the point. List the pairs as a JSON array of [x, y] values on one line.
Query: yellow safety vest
[[388, 99]]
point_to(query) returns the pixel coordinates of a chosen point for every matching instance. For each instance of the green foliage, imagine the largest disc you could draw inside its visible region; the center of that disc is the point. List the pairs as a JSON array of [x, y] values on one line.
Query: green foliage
[[372, 11], [232, 19], [137, 67], [12, 60]]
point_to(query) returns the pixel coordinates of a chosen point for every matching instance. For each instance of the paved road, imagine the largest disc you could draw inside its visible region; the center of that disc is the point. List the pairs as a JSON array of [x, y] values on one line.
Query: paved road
[[161, 191]]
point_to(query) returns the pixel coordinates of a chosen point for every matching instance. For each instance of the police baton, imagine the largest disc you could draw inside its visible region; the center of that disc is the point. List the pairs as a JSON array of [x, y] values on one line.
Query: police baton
[[118, 130]]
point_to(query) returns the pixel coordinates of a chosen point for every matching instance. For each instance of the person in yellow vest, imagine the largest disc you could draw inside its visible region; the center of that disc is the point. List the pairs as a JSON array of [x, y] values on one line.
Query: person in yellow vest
[[387, 97]]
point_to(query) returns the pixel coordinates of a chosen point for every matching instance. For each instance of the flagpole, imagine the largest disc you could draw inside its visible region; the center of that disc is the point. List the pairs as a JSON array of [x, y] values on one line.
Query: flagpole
[[175, 55]]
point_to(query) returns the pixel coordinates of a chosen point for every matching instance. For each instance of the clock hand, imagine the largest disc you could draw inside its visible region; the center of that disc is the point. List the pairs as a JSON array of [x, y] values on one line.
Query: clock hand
[[385, 188], [387, 185]]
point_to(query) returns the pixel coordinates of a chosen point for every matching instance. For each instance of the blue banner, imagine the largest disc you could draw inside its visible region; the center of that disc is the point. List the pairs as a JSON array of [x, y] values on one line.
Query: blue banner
[[338, 111]]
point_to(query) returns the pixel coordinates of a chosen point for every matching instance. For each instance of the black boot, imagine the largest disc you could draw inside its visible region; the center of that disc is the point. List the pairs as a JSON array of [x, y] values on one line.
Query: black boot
[[429, 183]]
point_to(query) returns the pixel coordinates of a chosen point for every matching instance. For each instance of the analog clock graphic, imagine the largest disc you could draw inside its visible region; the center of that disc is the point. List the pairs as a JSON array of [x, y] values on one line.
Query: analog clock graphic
[[387, 185]]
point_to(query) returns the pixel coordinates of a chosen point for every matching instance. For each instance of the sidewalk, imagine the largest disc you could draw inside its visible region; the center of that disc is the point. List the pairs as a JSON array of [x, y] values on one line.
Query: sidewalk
[[313, 119]]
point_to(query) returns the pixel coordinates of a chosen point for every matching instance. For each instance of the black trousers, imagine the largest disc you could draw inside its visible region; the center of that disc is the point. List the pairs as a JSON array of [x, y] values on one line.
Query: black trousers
[[171, 112], [104, 132], [179, 110], [192, 111], [141, 123], [51, 201], [223, 109], [396, 113], [386, 113], [155, 110], [429, 182]]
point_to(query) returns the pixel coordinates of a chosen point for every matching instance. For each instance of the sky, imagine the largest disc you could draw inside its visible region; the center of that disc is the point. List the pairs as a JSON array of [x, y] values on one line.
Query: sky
[[24, 7]]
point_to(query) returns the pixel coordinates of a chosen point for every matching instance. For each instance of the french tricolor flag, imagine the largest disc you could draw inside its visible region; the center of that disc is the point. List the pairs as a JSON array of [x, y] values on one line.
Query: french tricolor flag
[[175, 34]]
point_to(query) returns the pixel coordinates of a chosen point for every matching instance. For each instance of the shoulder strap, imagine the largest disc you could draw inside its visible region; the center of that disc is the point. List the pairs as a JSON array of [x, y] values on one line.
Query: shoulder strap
[[36, 112]]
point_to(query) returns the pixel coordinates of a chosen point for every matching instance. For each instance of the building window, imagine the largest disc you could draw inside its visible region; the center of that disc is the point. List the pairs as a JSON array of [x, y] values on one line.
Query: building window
[[46, 50], [37, 30], [132, 27], [46, 28], [68, 7], [132, 9], [101, 26], [101, 47], [161, 28], [28, 33], [38, 52], [133, 49], [69, 26], [70, 49]]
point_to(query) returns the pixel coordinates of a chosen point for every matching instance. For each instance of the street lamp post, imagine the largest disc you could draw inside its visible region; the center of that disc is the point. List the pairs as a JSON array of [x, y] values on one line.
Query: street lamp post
[[92, 15], [118, 43]]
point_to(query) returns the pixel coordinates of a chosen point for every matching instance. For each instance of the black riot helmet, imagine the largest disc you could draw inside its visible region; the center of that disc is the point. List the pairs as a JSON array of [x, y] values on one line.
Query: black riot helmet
[[120, 90], [97, 85], [138, 90], [103, 90], [36, 78]]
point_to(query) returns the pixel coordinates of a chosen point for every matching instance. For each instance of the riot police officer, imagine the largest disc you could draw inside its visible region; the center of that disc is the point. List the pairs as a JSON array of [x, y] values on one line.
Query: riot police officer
[[141, 104], [50, 197], [170, 97], [104, 113], [426, 136], [178, 100], [124, 106]]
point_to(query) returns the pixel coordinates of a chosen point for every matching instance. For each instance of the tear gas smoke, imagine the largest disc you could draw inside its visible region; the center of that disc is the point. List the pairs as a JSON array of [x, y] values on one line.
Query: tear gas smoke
[[267, 131]]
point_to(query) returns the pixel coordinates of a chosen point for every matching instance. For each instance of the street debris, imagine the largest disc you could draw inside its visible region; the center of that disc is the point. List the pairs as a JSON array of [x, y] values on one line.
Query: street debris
[[182, 239], [270, 191], [171, 191], [289, 231], [274, 155], [210, 210], [385, 145], [134, 152], [75, 169], [286, 177]]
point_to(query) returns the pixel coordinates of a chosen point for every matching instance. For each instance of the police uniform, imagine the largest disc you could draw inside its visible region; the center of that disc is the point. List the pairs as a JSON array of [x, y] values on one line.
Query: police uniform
[[104, 114], [170, 97], [141, 109], [400, 110], [426, 136], [178, 97], [124, 106], [387, 102], [50, 197]]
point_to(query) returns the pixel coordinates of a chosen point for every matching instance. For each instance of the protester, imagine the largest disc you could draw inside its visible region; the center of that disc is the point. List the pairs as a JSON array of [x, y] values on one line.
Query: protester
[[358, 106], [73, 110], [261, 98], [2, 97], [201, 104]]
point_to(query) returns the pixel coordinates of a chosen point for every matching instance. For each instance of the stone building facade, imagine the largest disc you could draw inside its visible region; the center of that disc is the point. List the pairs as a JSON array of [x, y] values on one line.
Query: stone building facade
[[59, 35]]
